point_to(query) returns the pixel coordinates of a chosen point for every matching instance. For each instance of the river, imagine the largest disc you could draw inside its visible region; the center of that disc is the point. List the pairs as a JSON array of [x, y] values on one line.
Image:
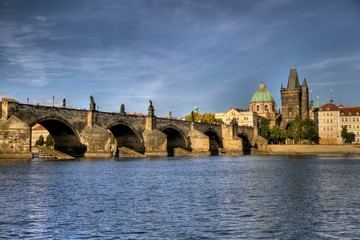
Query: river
[[249, 197]]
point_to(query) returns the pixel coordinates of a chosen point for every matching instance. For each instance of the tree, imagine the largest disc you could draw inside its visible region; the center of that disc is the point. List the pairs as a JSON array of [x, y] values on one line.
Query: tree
[[50, 142], [309, 131], [348, 137], [40, 141], [277, 135], [303, 130], [295, 129], [205, 118], [197, 117], [264, 128]]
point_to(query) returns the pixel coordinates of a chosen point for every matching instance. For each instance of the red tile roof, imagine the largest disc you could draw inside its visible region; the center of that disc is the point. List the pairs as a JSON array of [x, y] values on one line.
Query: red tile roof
[[328, 107], [350, 111]]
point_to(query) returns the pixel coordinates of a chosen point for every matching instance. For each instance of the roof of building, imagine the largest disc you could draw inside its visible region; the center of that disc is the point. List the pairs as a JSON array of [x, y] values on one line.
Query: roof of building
[[350, 111], [293, 81], [38, 127], [262, 95], [328, 107]]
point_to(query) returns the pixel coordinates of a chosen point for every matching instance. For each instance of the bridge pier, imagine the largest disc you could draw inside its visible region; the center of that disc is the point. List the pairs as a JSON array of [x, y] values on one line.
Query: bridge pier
[[15, 135], [97, 142], [155, 141], [232, 144], [199, 143]]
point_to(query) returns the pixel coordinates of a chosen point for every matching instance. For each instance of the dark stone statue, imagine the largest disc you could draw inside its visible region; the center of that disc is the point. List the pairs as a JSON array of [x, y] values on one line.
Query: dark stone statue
[[64, 103], [122, 109], [92, 104], [151, 109]]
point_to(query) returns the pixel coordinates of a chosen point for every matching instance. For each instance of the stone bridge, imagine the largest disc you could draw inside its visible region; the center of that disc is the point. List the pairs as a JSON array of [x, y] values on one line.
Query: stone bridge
[[92, 133]]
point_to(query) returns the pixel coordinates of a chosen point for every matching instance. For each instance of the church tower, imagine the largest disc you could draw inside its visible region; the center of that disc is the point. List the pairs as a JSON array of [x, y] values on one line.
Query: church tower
[[294, 99]]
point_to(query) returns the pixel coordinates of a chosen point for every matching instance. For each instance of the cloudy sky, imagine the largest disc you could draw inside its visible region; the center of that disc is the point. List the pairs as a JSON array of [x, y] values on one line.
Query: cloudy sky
[[179, 53]]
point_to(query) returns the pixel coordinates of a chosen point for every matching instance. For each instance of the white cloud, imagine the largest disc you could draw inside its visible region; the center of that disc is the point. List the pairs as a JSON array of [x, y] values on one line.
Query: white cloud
[[331, 62]]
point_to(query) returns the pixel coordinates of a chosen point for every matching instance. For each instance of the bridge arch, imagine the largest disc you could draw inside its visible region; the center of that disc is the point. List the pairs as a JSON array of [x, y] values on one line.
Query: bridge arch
[[175, 139], [215, 142], [246, 143], [126, 136], [66, 137]]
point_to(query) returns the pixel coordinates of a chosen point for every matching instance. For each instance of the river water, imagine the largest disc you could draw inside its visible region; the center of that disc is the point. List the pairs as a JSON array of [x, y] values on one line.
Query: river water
[[249, 197]]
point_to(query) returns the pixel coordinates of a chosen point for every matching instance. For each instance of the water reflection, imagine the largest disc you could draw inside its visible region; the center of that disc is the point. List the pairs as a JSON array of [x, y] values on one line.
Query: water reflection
[[295, 197]]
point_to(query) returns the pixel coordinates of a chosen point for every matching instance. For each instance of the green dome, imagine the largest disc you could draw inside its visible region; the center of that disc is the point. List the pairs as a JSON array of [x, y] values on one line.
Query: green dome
[[262, 95]]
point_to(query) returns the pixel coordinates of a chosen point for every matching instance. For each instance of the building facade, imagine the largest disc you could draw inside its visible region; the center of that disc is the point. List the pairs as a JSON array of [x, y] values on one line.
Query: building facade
[[294, 99], [350, 117], [330, 118], [243, 118], [326, 119], [36, 132]]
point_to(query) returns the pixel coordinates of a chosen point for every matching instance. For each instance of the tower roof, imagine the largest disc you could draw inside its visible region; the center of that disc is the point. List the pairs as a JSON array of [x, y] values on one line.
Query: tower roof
[[293, 81], [262, 95]]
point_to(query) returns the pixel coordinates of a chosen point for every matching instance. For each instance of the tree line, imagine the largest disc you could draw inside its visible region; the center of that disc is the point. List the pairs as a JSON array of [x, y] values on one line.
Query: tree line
[[49, 142], [299, 130]]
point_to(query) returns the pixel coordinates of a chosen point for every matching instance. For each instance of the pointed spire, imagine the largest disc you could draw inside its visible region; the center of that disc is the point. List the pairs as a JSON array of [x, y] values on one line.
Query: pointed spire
[[304, 83], [331, 99], [293, 81]]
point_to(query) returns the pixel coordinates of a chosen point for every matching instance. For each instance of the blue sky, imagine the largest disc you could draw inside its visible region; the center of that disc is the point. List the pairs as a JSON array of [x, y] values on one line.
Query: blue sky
[[178, 53]]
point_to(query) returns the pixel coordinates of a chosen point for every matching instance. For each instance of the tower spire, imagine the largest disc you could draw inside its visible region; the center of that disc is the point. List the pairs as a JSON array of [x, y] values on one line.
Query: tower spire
[[331, 99]]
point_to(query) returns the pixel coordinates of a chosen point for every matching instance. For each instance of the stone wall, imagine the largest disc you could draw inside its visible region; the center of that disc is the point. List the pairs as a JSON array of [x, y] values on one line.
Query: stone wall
[[313, 149], [14, 139]]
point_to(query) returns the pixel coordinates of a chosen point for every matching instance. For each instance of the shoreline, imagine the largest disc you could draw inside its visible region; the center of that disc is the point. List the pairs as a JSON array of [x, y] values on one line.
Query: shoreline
[[308, 149]]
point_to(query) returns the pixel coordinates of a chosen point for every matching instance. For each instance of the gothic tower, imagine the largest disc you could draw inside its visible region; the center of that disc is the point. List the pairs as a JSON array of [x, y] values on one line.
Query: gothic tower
[[294, 99]]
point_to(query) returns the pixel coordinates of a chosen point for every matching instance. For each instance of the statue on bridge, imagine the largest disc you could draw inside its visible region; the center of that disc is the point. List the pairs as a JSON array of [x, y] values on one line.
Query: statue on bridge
[[92, 104], [122, 109], [151, 109]]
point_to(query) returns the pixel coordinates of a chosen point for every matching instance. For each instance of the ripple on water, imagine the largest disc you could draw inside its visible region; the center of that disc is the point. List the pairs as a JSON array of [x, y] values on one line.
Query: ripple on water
[[312, 197]]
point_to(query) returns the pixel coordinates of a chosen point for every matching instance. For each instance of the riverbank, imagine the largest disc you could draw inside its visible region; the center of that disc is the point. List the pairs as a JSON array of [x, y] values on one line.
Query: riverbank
[[313, 149]]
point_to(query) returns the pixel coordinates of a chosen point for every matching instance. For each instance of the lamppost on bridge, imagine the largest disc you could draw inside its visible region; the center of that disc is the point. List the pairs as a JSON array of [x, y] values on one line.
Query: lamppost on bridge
[[53, 101]]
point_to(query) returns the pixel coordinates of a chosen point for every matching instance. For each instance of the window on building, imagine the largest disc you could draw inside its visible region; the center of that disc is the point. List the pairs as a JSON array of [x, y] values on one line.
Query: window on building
[[342, 119], [257, 108], [266, 108], [331, 121], [246, 118], [327, 121], [345, 119]]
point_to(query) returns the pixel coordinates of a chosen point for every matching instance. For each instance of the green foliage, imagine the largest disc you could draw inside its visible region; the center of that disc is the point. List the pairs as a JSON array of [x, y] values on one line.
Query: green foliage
[[50, 142], [40, 141], [300, 130], [309, 131], [264, 128], [348, 137], [197, 117], [295, 130], [277, 135], [204, 118]]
